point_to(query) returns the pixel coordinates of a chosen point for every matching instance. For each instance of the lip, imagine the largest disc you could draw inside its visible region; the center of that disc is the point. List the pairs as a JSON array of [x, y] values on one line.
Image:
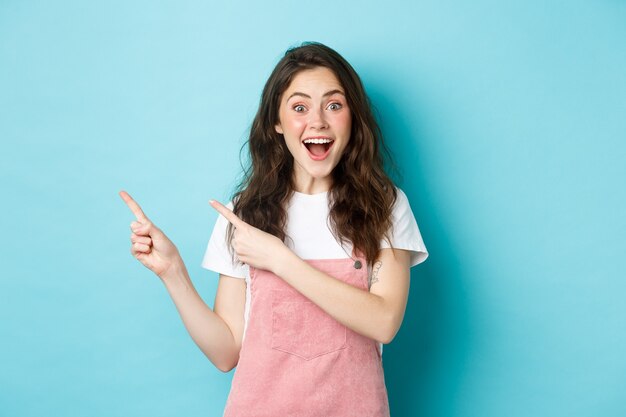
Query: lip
[[318, 157]]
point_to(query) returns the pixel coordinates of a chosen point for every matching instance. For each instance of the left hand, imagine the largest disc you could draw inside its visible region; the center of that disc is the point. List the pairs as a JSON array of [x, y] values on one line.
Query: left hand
[[253, 246]]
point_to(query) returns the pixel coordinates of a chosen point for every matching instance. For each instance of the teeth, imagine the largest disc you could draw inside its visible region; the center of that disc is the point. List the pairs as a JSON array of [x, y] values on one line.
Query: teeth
[[317, 141]]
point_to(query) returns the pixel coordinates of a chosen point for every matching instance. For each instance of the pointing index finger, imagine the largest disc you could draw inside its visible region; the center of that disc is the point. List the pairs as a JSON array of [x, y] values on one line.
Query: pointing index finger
[[134, 207], [228, 213]]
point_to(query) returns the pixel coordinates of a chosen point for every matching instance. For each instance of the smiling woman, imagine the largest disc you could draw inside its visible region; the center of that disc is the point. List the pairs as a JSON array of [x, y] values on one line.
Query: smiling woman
[[314, 93], [299, 310], [315, 121]]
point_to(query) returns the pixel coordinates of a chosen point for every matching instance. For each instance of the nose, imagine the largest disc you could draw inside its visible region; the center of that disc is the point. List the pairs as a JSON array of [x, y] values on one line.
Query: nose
[[317, 119]]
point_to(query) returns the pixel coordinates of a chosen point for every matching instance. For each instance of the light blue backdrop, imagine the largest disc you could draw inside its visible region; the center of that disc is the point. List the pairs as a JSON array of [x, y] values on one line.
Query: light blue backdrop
[[508, 120]]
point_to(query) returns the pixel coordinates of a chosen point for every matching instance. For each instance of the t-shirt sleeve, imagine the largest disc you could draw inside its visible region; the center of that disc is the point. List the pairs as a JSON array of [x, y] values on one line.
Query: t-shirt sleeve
[[217, 256], [405, 232]]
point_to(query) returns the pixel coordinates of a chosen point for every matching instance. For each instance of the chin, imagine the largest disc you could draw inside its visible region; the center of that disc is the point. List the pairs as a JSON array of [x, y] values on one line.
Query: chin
[[320, 174]]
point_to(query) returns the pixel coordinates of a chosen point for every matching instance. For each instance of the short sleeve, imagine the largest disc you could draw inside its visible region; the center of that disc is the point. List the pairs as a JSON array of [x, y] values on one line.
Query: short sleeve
[[405, 233], [217, 256]]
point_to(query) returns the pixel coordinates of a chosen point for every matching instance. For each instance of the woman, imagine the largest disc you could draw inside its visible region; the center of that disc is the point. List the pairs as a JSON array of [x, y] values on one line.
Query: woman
[[314, 257]]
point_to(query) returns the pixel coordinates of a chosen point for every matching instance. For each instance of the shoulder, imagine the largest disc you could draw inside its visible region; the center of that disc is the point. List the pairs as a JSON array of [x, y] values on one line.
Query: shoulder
[[218, 256], [405, 233], [401, 207], [401, 199]]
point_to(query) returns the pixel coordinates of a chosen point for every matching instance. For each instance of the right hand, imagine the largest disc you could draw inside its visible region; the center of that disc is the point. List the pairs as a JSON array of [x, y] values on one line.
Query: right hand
[[149, 244]]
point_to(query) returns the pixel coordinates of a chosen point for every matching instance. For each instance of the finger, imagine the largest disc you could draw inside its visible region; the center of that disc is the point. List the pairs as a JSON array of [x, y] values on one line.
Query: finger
[[141, 248], [141, 229], [138, 254], [226, 212], [134, 207], [146, 240], [135, 226], [146, 229]]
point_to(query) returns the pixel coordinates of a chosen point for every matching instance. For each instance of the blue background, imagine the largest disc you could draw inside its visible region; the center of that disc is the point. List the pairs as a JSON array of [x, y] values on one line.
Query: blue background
[[507, 120]]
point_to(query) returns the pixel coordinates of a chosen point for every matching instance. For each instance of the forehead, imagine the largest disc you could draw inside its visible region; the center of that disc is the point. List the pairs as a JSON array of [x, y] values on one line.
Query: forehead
[[317, 81]]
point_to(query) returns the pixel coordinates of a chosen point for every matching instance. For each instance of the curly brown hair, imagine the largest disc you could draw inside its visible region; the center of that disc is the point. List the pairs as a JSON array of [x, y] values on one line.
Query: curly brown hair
[[361, 197]]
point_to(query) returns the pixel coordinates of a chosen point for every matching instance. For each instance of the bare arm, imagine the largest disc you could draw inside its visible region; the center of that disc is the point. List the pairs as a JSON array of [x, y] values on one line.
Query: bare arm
[[376, 314], [217, 333], [211, 329]]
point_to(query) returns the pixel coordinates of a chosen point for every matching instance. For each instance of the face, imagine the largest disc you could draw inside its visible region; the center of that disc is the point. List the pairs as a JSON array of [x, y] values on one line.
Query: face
[[315, 122]]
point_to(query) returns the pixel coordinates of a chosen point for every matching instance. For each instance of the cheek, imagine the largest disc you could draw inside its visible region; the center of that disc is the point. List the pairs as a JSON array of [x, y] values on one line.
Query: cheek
[[349, 120], [295, 125], [344, 121]]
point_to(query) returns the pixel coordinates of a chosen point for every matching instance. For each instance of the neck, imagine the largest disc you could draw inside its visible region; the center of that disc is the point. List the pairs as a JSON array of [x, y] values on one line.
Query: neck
[[311, 185]]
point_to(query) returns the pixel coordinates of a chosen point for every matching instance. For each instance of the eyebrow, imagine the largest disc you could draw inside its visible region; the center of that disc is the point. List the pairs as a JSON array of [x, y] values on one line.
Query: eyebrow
[[328, 93]]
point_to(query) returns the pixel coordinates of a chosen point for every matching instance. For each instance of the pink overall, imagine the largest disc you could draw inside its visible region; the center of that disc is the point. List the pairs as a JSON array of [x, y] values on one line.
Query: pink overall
[[296, 360]]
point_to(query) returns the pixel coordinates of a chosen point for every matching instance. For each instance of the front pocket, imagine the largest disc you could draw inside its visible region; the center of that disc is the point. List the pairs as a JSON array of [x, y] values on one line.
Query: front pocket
[[301, 328]]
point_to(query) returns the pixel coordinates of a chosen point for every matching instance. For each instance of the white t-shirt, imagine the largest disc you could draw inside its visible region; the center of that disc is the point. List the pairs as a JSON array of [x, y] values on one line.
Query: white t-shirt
[[310, 237]]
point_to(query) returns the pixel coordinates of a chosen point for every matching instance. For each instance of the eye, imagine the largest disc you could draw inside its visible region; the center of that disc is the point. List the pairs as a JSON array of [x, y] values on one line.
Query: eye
[[299, 108], [334, 106]]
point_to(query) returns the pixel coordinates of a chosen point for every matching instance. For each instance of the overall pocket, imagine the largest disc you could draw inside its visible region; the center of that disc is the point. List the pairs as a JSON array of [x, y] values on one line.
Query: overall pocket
[[301, 328]]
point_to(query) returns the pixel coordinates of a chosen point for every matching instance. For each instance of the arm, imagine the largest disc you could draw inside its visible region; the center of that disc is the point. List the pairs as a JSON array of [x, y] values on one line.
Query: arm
[[376, 314], [218, 336]]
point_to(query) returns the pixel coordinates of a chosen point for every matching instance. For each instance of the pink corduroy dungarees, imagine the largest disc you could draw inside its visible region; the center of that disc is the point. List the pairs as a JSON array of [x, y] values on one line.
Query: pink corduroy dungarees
[[297, 361]]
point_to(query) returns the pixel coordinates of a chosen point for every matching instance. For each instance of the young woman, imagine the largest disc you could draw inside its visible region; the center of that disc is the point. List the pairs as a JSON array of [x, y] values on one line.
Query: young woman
[[313, 256]]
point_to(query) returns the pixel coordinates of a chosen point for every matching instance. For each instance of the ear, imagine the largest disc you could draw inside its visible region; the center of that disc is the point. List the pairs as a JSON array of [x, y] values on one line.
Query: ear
[[278, 128]]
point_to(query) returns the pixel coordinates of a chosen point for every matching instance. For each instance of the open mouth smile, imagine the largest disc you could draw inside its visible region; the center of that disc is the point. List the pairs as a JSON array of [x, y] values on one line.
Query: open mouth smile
[[318, 147]]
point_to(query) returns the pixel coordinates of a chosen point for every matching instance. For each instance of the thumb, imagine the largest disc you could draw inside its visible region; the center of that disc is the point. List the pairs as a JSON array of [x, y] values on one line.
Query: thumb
[[145, 228]]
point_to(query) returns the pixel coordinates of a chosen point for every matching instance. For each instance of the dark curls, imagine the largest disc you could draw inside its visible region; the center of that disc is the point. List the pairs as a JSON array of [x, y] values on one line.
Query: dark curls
[[361, 196]]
